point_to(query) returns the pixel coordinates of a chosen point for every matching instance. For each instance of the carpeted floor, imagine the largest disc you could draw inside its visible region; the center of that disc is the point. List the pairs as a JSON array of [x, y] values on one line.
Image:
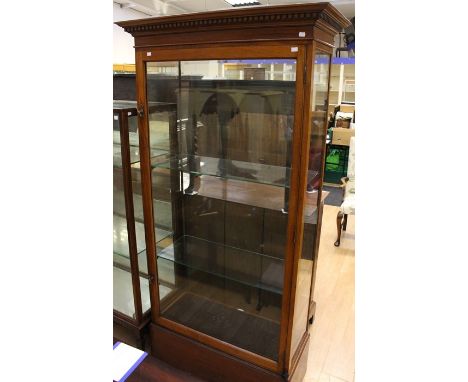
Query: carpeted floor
[[335, 197]]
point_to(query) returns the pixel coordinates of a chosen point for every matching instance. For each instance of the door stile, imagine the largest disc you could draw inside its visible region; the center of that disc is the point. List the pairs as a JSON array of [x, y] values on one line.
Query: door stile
[[146, 183]]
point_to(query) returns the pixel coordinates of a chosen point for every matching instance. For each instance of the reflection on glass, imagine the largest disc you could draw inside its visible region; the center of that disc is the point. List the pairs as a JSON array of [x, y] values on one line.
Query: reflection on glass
[[223, 193], [319, 103], [123, 292], [342, 78], [162, 126]]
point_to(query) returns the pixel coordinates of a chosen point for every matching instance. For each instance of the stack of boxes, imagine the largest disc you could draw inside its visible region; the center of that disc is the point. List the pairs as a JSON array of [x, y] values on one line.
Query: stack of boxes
[[344, 126]]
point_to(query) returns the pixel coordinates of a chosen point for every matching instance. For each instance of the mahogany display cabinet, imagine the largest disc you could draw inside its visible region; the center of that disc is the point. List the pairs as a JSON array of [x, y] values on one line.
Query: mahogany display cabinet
[[231, 277]]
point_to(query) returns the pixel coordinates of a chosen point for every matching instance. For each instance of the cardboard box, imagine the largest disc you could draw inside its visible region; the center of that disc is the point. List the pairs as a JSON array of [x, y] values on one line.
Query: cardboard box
[[342, 136], [347, 108], [340, 116], [343, 122]]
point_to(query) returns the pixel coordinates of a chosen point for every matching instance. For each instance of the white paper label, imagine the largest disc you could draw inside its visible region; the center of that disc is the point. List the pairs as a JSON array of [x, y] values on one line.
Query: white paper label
[[301, 34], [129, 113], [294, 49], [123, 359], [148, 54], [116, 117]]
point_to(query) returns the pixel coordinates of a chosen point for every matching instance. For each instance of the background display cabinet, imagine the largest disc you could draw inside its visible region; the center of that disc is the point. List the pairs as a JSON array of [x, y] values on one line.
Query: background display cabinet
[[231, 182], [131, 276]]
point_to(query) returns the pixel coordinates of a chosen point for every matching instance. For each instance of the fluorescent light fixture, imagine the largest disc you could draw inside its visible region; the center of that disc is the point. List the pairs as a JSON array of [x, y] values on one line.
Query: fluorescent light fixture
[[242, 3], [127, 5]]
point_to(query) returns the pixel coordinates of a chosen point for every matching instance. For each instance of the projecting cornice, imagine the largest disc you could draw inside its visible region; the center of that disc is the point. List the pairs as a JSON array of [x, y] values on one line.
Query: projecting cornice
[[255, 17]]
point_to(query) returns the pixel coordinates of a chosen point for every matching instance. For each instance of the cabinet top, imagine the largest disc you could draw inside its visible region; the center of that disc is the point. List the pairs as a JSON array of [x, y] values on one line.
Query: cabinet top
[[260, 19]]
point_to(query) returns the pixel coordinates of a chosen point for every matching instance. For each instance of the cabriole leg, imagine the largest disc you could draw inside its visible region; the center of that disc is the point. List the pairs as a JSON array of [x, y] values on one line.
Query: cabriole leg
[[339, 219]]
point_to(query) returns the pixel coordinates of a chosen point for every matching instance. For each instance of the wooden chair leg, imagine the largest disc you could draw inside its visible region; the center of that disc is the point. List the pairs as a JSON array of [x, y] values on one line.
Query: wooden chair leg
[[345, 221], [339, 219]]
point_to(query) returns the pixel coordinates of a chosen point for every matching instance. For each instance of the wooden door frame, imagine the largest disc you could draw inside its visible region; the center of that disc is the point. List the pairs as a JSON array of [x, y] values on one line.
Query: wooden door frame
[[293, 355], [321, 49], [130, 217], [226, 51]]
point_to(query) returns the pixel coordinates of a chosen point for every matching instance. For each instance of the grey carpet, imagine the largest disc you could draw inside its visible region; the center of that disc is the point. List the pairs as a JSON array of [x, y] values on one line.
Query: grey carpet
[[335, 196]]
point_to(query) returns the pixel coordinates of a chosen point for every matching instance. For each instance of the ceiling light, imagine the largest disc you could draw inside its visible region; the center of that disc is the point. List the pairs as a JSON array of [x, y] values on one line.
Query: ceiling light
[[242, 3], [127, 5]]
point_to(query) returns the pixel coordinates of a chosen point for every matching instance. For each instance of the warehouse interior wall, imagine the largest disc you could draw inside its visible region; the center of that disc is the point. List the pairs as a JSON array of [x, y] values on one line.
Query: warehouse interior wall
[[123, 52]]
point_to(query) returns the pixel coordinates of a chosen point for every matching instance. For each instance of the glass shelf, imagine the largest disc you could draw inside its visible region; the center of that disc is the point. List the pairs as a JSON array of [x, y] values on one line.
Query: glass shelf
[[120, 237], [161, 207], [123, 262], [229, 169], [124, 104], [252, 194], [132, 138], [135, 155], [245, 267]]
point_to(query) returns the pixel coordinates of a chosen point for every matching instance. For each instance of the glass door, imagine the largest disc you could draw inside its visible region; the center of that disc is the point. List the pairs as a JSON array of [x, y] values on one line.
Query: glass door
[[225, 183], [312, 195]]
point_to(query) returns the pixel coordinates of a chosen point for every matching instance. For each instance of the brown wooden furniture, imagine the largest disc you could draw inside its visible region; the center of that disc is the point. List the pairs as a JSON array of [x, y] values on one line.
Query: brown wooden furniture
[[154, 370], [131, 286], [348, 185], [231, 286], [341, 218], [128, 229]]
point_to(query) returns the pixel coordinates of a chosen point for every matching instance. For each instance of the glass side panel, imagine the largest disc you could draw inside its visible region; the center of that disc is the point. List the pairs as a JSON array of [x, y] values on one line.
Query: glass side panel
[[122, 286], [319, 105], [123, 292], [226, 184]]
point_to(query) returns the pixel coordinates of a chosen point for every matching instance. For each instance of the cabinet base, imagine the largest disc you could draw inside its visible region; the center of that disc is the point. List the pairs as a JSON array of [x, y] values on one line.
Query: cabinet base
[[300, 368], [136, 336], [213, 365]]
